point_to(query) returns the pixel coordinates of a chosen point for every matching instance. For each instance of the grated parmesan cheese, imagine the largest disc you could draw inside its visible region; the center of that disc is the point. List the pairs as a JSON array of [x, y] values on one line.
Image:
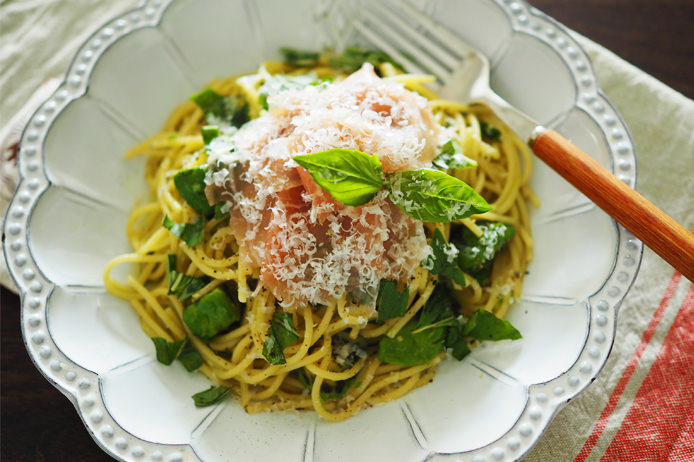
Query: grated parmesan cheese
[[309, 247]]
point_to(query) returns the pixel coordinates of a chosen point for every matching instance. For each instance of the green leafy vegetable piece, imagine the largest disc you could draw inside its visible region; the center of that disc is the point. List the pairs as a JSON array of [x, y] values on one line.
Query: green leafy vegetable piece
[[351, 177], [167, 351], [190, 358], [282, 334], [210, 396], [455, 340], [354, 57], [262, 100], [190, 184], [391, 303], [209, 132], [221, 210], [222, 108], [490, 132], [484, 325], [182, 285], [302, 376], [299, 58], [476, 252], [423, 338], [451, 156], [410, 349], [336, 390], [444, 259], [190, 233], [212, 314], [434, 196]]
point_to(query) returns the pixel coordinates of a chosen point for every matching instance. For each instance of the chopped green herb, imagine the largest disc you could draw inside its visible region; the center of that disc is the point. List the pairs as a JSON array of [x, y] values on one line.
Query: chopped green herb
[[484, 325], [391, 303], [354, 57], [302, 376], [299, 58], [209, 132], [476, 253], [451, 157], [212, 314], [443, 259], [262, 100], [210, 396], [336, 390], [490, 132], [424, 337], [167, 351], [221, 210], [282, 334], [222, 108], [351, 177], [434, 196], [182, 285], [456, 342], [190, 358], [190, 184], [190, 233]]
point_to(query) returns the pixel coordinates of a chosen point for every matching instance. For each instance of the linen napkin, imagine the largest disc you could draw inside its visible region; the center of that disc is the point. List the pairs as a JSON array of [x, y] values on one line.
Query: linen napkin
[[641, 407]]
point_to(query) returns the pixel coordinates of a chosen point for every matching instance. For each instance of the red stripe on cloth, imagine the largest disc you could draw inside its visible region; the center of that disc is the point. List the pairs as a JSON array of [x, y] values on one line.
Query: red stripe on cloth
[[629, 370], [665, 401], [683, 448]]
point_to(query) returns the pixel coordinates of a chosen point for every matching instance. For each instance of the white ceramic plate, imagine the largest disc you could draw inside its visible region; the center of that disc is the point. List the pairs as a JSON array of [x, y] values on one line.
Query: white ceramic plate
[[67, 219]]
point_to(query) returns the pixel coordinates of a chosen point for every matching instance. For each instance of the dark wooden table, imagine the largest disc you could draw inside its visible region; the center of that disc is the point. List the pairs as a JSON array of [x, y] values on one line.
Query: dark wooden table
[[40, 424]]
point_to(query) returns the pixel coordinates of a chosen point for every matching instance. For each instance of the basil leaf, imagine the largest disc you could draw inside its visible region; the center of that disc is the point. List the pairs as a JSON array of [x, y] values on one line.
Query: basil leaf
[[282, 334], [433, 196], [190, 233], [209, 132], [299, 58], [190, 184], [410, 349], [451, 156], [212, 314], [181, 285], [490, 132], [457, 343], [476, 252], [302, 376], [210, 396], [221, 210], [336, 390], [391, 303], [354, 57], [422, 338], [221, 108], [283, 328], [443, 259], [272, 351], [167, 351], [484, 325], [351, 177], [190, 358]]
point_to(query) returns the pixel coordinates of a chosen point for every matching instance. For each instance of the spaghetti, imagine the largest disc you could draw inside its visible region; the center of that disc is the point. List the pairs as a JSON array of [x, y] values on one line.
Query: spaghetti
[[331, 355]]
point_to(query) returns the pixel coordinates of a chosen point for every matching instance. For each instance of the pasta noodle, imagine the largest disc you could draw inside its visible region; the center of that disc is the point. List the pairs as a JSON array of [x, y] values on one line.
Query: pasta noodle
[[235, 359]]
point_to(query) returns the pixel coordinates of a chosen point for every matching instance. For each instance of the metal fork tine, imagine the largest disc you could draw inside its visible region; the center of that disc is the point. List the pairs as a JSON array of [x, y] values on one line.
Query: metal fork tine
[[414, 54], [417, 44], [446, 37], [388, 48]]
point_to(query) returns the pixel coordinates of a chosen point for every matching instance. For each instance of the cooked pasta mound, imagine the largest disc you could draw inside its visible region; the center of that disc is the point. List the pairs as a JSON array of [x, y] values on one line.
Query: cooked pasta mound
[[320, 235]]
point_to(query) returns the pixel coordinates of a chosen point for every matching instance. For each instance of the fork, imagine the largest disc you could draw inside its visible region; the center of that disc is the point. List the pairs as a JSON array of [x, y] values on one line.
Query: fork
[[424, 46]]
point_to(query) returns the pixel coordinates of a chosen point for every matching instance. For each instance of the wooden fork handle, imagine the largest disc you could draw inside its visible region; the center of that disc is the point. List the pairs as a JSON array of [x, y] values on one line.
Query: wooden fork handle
[[647, 222]]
